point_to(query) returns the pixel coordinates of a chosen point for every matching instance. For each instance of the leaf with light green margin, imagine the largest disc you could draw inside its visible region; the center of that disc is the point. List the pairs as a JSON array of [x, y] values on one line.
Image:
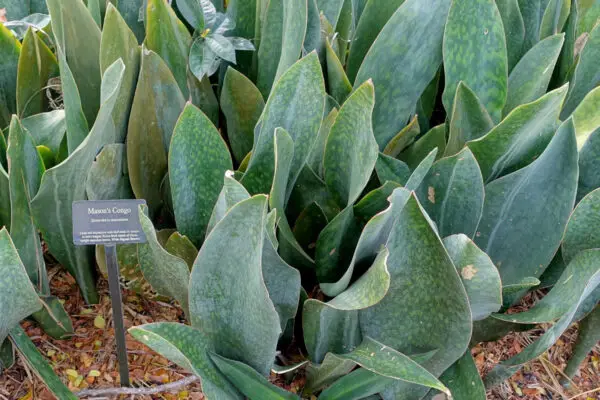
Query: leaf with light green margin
[[452, 193], [566, 61], [108, 178], [463, 380], [404, 138], [331, 9], [356, 385], [585, 77], [374, 202], [478, 273], [37, 64], [18, 298], [53, 318], [508, 367], [157, 104], [232, 193], [196, 181], [475, 52], [337, 81], [227, 276], [586, 118], [532, 11], [373, 237], [554, 18], [168, 274], [282, 37], [527, 282], [589, 165], [421, 171], [314, 34], [581, 232], [520, 138], [334, 326], [374, 17], [525, 213], [469, 120], [38, 364], [252, 384], [514, 30], [181, 246], [590, 12], [561, 298], [242, 105], [187, 347], [529, 80], [329, 371], [10, 49], [351, 149], [315, 158], [426, 295], [335, 246], [391, 169], [587, 339], [47, 129], [4, 198], [118, 41], [296, 104], [78, 35], [410, 63], [24, 176], [94, 9], [415, 153], [130, 10], [56, 227]]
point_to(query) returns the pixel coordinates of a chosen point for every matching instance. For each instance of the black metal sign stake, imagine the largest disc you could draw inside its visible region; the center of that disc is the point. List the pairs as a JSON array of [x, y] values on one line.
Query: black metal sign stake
[[110, 251]]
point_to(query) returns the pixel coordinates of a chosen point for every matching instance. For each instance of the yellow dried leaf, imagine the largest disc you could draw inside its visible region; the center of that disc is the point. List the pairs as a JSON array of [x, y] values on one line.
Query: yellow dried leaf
[[72, 373], [94, 373], [100, 322], [51, 353], [29, 394]]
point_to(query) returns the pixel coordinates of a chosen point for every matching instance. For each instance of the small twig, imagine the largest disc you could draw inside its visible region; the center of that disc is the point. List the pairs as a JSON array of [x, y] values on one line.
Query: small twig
[[138, 391], [585, 393]]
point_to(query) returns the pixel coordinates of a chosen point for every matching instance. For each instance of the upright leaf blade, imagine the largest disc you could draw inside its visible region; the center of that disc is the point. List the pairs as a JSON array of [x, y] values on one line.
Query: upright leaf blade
[[10, 49], [514, 30]]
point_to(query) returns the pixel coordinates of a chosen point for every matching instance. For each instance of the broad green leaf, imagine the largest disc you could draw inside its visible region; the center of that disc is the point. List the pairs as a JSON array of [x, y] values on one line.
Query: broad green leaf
[[10, 49], [282, 36], [331, 9], [7, 355], [416, 178], [514, 30], [581, 232], [587, 339], [198, 158], [475, 52], [17, 295], [391, 169], [118, 41], [157, 104], [351, 149], [524, 213], [567, 60], [337, 81], [404, 138], [53, 318], [434, 139], [479, 275], [131, 11], [356, 385], [296, 105], [529, 80], [334, 326], [15, 9], [38, 364], [4, 198], [168, 275], [589, 165], [308, 226], [187, 347], [406, 54], [221, 46], [526, 283], [168, 37], [246, 14], [586, 76], [203, 61], [310, 188], [94, 9], [586, 118], [37, 65], [426, 307], [108, 178], [25, 174], [552, 274], [329, 371], [554, 18], [508, 367], [463, 379], [452, 194], [532, 11], [78, 35], [56, 227], [590, 12], [242, 105], [252, 384], [192, 12], [180, 246], [315, 158], [47, 129], [469, 120], [374, 202], [374, 17], [227, 276], [232, 193], [520, 138]]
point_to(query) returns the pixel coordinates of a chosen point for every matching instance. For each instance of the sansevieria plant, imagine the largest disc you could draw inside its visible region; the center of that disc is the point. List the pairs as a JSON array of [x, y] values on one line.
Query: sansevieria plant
[[354, 190]]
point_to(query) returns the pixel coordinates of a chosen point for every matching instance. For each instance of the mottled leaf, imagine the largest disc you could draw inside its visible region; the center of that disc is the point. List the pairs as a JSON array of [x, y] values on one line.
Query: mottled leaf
[[586, 118], [47, 129], [133, 13], [180, 246], [10, 49], [421, 171], [581, 232], [337, 81], [415, 153], [554, 18], [514, 30], [404, 138], [232, 193], [589, 165], [391, 169], [108, 178], [53, 318], [315, 158], [587, 339], [463, 380]]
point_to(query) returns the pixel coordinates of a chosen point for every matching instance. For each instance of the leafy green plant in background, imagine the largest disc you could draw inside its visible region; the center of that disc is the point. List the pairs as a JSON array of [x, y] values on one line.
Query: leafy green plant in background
[[375, 183]]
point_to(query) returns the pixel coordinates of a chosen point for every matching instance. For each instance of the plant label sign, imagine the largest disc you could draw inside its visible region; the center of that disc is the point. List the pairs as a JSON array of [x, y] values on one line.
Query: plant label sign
[[107, 222]]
